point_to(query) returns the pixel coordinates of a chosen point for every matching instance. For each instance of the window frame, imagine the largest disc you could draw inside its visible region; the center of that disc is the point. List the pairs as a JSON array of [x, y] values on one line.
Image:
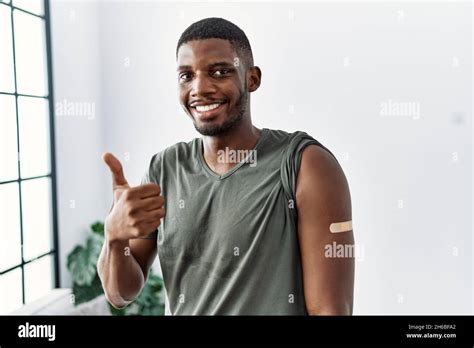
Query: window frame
[[54, 251]]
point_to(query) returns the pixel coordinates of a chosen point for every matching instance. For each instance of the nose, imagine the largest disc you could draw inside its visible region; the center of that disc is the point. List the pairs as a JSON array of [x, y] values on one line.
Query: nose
[[202, 86]]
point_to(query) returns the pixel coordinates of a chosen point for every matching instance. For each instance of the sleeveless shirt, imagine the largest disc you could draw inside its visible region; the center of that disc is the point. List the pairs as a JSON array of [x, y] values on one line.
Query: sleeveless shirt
[[228, 244]]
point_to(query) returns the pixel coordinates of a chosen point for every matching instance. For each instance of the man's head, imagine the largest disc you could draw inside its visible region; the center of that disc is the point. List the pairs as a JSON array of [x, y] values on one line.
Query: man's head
[[216, 75]]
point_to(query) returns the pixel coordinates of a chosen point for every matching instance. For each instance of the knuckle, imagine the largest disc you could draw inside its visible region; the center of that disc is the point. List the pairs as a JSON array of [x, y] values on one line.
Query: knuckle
[[130, 210], [134, 222], [136, 232], [126, 194], [156, 188]]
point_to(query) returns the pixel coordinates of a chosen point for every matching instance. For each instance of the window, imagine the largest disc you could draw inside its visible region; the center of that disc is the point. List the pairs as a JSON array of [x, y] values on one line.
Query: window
[[28, 223]]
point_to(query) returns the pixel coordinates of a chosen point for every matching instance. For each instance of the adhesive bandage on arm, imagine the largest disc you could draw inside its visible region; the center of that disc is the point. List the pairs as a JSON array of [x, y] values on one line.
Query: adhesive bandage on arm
[[338, 227]]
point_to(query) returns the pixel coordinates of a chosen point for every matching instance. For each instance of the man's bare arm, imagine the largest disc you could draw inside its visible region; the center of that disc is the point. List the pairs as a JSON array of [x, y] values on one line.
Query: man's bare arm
[[123, 267], [126, 257], [323, 198]]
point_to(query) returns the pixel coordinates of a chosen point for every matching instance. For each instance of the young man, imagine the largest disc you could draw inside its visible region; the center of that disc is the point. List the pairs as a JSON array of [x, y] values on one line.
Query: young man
[[249, 212]]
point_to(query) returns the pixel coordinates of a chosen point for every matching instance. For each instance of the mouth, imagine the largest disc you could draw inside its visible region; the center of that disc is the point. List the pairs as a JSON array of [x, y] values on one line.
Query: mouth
[[207, 111]]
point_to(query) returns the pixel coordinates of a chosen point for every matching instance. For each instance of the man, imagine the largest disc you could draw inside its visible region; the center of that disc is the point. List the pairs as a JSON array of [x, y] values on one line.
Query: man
[[249, 212]]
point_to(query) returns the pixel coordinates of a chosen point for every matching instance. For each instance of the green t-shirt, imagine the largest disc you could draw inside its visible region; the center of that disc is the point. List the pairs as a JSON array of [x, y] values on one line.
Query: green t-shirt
[[229, 244]]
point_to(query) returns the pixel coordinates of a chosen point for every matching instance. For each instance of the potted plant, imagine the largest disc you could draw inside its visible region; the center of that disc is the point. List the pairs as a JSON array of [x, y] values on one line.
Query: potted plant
[[82, 263]]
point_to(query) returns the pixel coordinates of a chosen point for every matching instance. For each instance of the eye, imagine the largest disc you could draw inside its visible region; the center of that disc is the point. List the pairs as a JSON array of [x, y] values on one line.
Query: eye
[[185, 76], [221, 72]]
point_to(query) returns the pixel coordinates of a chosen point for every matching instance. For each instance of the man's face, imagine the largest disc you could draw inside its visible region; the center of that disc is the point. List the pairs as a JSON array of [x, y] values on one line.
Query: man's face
[[212, 82]]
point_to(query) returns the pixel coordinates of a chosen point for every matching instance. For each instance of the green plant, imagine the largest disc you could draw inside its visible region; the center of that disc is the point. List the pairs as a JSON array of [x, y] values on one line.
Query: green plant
[[82, 261]]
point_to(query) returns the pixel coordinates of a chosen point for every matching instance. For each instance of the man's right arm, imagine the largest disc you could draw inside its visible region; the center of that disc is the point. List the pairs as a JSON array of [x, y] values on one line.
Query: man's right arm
[[128, 253], [123, 268]]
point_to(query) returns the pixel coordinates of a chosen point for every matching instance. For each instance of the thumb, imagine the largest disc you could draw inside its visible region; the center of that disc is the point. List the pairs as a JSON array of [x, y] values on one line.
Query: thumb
[[118, 179]]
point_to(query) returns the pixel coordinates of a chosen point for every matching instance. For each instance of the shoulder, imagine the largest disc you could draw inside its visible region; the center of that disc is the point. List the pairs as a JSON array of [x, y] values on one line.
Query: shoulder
[[317, 159], [164, 161], [322, 178], [294, 142], [174, 152], [276, 138]]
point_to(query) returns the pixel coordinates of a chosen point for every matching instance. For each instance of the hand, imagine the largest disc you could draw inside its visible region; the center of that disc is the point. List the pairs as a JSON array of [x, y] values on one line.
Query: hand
[[136, 211]]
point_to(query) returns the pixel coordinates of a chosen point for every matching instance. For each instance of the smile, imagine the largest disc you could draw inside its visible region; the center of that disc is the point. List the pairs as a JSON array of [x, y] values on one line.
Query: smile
[[207, 111], [202, 108]]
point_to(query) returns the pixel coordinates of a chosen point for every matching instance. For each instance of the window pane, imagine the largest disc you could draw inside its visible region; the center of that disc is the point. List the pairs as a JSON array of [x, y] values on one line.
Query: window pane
[[10, 241], [34, 136], [10, 291], [37, 228], [38, 278], [33, 6], [7, 83], [30, 54], [8, 140]]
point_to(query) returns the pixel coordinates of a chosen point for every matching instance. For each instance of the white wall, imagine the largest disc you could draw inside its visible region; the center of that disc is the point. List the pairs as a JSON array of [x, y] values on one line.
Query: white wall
[[327, 69], [79, 135]]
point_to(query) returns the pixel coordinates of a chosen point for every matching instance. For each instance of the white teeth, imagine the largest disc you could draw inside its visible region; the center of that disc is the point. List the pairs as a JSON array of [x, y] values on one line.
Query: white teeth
[[202, 108]]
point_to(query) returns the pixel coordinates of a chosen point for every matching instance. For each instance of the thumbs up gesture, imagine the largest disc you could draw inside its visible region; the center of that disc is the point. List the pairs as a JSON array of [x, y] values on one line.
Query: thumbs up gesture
[[136, 211]]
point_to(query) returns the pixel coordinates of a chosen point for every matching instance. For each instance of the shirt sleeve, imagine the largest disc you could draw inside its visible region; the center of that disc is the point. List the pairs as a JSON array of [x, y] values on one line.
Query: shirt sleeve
[[291, 163], [145, 178], [148, 177]]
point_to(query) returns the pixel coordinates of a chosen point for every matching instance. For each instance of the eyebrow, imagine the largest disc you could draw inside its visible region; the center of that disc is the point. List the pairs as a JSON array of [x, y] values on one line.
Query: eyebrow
[[210, 66]]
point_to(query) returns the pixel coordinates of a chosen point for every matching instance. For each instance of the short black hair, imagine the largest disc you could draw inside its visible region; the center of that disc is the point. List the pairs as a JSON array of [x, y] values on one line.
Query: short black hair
[[218, 28]]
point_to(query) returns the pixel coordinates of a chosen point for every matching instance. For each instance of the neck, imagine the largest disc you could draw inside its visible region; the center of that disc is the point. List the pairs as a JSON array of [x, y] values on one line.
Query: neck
[[243, 137]]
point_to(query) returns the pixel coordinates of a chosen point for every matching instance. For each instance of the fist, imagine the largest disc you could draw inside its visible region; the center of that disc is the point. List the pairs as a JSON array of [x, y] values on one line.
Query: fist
[[136, 211]]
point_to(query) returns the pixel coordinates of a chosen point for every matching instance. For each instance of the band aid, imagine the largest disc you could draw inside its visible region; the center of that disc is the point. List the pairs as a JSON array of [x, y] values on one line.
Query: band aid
[[338, 227]]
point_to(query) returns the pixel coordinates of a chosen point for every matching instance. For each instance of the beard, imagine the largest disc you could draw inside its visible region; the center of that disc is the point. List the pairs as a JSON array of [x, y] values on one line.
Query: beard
[[230, 123]]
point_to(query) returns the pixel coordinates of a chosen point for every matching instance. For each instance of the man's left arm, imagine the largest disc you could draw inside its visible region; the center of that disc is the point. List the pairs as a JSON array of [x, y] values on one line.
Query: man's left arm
[[323, 198]]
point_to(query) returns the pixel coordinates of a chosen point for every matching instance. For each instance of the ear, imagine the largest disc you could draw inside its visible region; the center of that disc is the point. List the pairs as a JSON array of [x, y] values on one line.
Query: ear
[[254, 78]]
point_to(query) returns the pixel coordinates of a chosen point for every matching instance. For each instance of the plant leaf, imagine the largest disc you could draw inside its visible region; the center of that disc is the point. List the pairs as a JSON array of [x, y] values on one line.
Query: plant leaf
[[150, 300], [98, 228], [87, 292], [82, 262]]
